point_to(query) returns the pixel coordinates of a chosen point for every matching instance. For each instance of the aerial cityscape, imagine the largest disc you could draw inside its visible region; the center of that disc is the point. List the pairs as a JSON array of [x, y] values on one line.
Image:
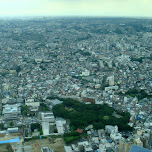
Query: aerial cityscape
[[75, 84]]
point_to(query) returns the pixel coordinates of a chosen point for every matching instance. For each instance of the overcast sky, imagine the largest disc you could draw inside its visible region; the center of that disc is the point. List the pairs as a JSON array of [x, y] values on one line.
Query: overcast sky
[[76, 7]]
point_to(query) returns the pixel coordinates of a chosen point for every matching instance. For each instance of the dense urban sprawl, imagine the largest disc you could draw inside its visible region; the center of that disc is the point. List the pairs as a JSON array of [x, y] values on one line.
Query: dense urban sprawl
[[91, 60]]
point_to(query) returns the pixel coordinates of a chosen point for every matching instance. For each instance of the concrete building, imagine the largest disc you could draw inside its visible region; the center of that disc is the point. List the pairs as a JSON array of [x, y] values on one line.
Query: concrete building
[[81, 145], [111, 129], [102, 148], [38, 60], [46, 149], [107, 89], [45, 128], [34, 106], [60, 127], [111, 80], [125, 145], [12, 130], [48, 120], [85, 73], [48, 117], [88, 149], [116, 137], [11, 111], [68, 149]]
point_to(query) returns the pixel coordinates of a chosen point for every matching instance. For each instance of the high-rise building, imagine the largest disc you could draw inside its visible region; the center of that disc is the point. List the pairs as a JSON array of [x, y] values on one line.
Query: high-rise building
[[111, 80]]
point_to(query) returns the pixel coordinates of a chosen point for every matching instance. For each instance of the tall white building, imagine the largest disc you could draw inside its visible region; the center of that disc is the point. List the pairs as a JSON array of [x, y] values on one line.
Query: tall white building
[[48, 120], [60, 126], [111, 80]]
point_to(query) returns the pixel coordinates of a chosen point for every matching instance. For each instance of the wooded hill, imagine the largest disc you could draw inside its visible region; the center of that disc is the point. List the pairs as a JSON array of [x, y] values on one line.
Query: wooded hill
[[81, 115]]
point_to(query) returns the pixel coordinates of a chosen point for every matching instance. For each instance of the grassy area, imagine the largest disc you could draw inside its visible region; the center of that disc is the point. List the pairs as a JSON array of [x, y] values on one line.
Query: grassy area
[[34, 138], [70, 139]]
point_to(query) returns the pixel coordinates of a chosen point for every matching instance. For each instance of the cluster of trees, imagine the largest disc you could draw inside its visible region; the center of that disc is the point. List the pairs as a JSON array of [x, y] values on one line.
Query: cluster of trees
[[44, 107], [24, 36], [118, 31], [18, 69], [2, 126], [100, 31], [69, 137], [84, 53], [35, 126], [82, 115], [3, 74], [52, 97], [11, 123], [84, 38], [42, 67], [24, 110], [138, 27], [137, 59], [104, 83], [139, 94]]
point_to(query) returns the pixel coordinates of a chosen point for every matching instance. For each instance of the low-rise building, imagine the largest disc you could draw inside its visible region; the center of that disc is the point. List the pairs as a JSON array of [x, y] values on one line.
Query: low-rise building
[[46, 149], [11, 111], [34, 106], [111, 129], [12, 130]]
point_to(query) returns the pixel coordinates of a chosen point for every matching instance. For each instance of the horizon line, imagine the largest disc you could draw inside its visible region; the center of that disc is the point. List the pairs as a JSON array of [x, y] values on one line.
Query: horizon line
[[72, 16]]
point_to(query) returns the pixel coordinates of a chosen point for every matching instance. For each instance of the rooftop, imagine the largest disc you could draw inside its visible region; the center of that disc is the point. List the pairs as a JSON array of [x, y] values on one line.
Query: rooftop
[[136, 148]]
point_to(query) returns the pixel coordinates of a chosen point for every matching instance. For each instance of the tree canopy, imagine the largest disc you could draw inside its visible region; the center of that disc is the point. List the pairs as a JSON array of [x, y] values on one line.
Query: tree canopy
[[141, 94], [82, 115]]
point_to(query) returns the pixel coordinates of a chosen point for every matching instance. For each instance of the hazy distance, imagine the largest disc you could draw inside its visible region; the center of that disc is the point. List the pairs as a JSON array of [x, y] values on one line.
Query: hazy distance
[[137, 8]]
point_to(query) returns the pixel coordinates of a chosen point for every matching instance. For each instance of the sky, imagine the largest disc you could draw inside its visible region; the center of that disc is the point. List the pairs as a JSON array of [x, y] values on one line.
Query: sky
[[135, 8]]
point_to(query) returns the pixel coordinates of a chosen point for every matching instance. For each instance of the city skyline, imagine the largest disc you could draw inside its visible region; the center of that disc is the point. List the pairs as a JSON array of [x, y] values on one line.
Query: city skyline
[[126, 8]]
